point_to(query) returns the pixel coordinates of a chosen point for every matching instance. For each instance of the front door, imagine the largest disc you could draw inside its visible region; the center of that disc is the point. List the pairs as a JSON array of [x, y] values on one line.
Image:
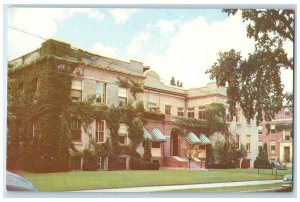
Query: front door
[[174, 143], [286, 154]]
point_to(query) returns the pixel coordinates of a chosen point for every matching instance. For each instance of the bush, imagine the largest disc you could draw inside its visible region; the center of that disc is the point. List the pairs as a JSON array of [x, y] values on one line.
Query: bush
[[245, 163], [151, 166], [154, 116]]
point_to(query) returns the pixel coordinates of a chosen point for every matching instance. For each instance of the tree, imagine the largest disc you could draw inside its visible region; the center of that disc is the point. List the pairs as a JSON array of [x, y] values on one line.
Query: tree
[[262, 158], [191, 152], [178, 83], [255, 82], [172, 82], [215, 113]]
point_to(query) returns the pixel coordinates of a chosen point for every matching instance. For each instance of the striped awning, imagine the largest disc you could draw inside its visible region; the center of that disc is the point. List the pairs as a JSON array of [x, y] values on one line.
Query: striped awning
[[204, 139], [158, 136], [192, 138], [147, 135]]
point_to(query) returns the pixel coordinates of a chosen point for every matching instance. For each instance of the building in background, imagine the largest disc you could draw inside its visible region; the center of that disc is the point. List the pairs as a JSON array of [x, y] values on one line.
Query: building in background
[[98, 75], [277, 134]]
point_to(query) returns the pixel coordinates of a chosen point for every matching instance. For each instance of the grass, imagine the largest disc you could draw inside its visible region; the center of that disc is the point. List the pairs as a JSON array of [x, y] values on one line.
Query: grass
[[85, 180], [248, 188]]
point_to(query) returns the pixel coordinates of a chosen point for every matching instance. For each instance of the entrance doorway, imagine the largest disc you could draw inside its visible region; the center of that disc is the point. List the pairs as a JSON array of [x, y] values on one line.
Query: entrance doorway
[[286, 154], [174, 143]]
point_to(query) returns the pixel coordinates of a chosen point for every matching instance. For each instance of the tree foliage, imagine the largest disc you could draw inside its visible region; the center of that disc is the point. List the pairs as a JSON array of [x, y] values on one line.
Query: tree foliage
[[262, 160], [255, 82]]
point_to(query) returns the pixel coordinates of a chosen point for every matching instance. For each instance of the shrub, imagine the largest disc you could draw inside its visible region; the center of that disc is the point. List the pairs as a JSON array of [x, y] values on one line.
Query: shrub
[[245, 163], [151, 166], [154, 116]]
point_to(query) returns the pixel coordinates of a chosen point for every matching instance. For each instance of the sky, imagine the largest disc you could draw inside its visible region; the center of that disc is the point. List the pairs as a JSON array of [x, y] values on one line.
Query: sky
[[174, 42]]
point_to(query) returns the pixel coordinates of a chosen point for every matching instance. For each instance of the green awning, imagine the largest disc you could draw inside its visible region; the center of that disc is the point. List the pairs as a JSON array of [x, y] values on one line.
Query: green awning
[[192, 138], [158, 136], [147, 135], [204, 139]]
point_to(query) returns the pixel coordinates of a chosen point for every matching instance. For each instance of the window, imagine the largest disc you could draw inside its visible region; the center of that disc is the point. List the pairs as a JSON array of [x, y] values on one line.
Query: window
[[287, 135], [76, 130], [260, 129], [122, 96], [100, 131], [76, 163], [287, 112], [153, 107], [227, 117], [102, 163], [272, 146], [123, 134], [237, 141], [36, 128], [155, 145], [179, 111], [168, 109], [248, 121], [260, 144], [76, 90], [202, 113], [272, 128], [191, 112], [248, 140], [100, 92], [237, 115], [122, 140]]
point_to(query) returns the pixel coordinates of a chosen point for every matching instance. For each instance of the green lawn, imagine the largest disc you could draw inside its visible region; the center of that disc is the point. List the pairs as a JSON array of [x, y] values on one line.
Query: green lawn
[[85, 180], [248, 188]]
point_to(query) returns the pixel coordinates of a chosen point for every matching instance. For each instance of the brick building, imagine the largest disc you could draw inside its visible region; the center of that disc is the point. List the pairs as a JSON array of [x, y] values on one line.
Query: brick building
[[277, 135], [98, 75]]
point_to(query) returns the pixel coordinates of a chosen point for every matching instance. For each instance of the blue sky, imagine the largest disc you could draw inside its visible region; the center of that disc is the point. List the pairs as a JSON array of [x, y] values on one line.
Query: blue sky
[[174, 42]]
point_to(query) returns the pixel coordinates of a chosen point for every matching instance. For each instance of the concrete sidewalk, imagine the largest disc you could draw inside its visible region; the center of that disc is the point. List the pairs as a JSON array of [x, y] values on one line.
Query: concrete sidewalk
[[187, 186]]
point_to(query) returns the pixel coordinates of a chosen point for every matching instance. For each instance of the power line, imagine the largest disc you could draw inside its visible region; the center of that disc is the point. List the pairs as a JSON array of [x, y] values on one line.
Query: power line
[[109, 62]]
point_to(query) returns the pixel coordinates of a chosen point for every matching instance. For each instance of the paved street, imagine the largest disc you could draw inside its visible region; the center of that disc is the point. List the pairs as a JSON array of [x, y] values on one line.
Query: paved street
[[188, 186]]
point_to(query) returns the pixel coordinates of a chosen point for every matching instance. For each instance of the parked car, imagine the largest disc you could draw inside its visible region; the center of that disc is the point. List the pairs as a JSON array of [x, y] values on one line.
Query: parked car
[[278, 165], [287, 182], [17, 183]]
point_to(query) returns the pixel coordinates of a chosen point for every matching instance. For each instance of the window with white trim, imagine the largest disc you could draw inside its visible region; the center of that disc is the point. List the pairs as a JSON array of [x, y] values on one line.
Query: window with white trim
[[122, 96], [153, 107], [102, 163], [191, 112], [287, 134], [260, 129], [180, 111], [100, 92], [123, 134], [100, 131], [272, 128], [272, 146], [76, 90], [287, 112], [76, 130], [201, 113], [168, 109], [260, 144], [248, 141]]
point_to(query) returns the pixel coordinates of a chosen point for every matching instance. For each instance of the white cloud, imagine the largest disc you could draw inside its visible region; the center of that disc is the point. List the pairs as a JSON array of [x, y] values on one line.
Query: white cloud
[[122, 15], [136, 44], [194, 48], [39, 21], [100, 49], [166, 27]]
